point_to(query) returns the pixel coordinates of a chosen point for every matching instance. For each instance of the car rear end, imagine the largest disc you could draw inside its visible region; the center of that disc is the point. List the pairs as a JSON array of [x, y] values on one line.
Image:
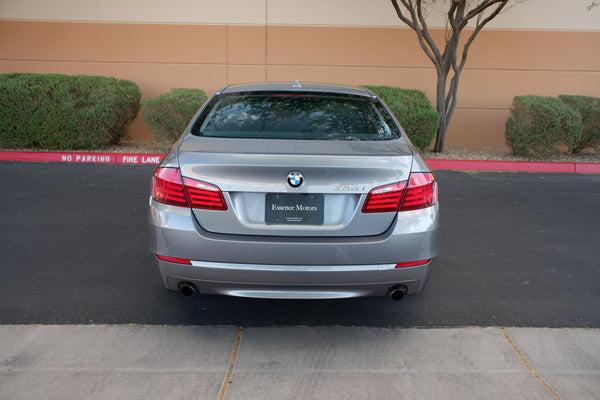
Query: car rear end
[[279, 192]]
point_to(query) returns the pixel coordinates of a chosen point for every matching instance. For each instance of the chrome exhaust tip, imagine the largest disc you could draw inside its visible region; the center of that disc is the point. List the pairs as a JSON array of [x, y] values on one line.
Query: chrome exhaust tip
[[397, 293], [187, 289]]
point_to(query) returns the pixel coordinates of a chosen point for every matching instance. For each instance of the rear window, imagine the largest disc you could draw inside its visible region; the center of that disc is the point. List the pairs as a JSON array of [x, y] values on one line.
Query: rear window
[[308, 116]]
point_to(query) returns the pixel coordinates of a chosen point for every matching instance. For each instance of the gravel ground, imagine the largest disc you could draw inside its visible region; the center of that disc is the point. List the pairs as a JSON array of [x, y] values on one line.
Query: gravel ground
[[504, 154], [138, 146], [450, 153]]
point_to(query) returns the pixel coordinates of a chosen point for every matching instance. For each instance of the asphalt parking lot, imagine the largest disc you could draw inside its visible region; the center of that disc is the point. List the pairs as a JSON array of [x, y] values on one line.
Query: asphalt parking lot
[[516, 249], [83, 313]]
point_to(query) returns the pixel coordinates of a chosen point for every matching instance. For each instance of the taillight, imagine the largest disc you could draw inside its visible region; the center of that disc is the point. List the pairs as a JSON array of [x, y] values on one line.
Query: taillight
[[384, 198], [169, 187], [204, 195], [420, 191]]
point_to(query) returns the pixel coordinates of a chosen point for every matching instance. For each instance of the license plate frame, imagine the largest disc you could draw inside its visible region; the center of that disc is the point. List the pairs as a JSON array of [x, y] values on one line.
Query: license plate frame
[[294, 209]]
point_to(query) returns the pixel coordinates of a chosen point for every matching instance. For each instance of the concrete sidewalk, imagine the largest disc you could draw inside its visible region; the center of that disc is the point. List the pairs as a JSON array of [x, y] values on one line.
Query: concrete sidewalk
[[195, 362]]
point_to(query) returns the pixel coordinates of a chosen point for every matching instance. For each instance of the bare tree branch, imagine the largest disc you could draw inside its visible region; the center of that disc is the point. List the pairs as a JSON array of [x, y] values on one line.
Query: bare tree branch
[[458, 15], [451, 99], [425, 41], [401, 15], [426, 34], [478, 28]]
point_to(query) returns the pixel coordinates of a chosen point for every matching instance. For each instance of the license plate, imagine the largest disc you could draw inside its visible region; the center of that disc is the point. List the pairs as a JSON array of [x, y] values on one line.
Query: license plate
[[291, 208]]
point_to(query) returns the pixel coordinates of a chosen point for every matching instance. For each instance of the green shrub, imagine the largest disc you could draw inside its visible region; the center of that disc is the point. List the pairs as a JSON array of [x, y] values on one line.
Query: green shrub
[[413, 110], [589, 108], [168, 114], [539, 125], [62, 112]]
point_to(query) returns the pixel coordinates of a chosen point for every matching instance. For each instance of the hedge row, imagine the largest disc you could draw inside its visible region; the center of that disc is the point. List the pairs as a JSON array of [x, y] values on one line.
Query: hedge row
[[168, 114], [413, 110], [63, 112], [589, 108], [540, 126]]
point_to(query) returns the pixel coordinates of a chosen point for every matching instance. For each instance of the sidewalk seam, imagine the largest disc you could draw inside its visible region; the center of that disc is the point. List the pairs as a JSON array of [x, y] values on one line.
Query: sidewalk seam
[[234, 353], [531, 369]]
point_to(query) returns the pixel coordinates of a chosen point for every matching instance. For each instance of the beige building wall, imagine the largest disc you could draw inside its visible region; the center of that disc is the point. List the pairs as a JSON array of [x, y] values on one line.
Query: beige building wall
[[542, 47]]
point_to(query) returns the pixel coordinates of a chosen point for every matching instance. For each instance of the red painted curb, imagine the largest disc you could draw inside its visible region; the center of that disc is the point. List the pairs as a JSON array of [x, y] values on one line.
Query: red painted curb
[[142, 158], [520, 166], [81, 158], [587, 168]]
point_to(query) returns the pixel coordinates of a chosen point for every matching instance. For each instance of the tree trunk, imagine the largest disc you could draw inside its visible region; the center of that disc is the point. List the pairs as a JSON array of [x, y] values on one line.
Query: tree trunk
[[439, 140], [441, 109]]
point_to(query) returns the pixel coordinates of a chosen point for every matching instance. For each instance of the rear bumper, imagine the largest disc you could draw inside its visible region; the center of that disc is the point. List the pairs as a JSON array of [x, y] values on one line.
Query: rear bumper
[[293, 267], [294, 281]]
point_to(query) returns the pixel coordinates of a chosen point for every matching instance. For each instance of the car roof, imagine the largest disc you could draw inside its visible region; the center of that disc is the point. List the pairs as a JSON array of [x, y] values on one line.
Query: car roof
[[296, 87]]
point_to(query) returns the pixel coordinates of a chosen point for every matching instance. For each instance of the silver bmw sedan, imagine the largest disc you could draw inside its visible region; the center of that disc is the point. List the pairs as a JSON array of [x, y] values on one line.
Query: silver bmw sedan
[[294, 191]]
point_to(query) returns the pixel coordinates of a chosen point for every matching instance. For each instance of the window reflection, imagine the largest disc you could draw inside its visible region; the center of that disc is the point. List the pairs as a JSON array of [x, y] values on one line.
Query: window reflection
[[296, 116]]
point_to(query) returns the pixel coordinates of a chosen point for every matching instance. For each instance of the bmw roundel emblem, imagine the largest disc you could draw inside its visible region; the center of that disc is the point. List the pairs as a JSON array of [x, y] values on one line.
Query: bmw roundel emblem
[[295, 179]]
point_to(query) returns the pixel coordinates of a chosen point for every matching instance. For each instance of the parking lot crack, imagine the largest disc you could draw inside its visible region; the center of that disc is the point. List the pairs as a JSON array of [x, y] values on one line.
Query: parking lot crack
[[232, 360], [528, 365]]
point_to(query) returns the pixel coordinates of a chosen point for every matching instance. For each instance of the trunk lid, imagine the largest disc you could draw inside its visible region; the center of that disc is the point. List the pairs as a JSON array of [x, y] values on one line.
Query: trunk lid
[[253, 176]]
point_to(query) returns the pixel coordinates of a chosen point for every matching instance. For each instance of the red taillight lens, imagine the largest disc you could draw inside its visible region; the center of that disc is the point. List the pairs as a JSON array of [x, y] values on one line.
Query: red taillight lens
[[384, 198], [421, 192], [167, 187], [204, 195]]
